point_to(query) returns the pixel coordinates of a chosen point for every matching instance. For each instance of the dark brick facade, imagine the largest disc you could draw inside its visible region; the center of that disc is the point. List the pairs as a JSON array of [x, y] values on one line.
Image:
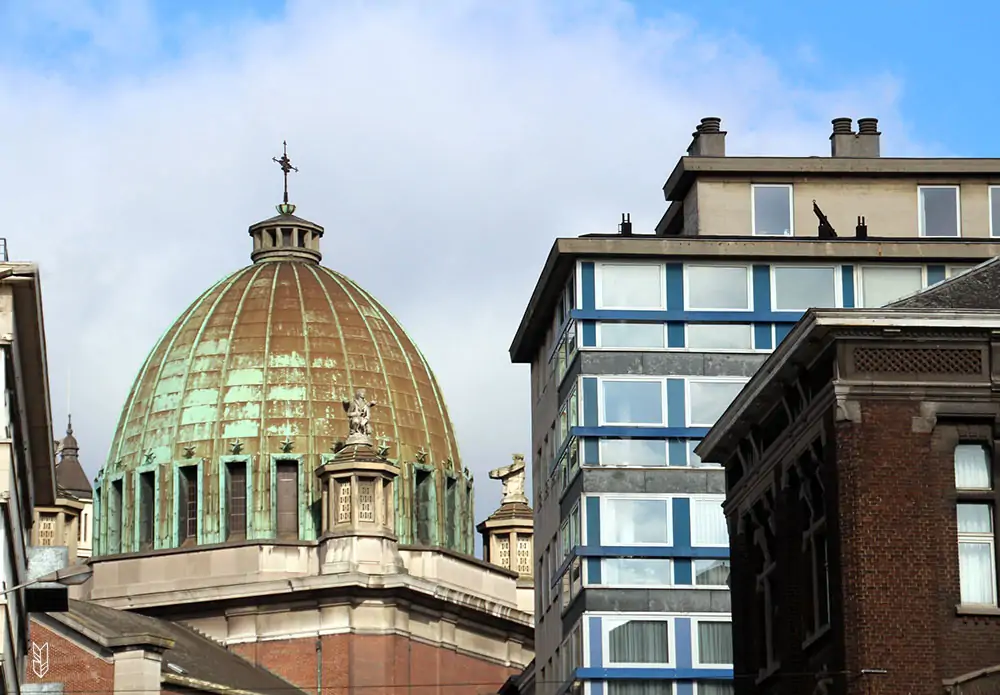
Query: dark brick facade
[[819, 453]]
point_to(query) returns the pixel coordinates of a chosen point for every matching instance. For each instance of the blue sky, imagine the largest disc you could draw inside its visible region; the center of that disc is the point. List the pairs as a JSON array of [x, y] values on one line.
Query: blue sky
[[946, 75], [443, 144]]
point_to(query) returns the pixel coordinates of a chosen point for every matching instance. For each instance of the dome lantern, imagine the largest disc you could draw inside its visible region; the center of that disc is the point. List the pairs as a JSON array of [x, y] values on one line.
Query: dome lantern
[[285, 236]]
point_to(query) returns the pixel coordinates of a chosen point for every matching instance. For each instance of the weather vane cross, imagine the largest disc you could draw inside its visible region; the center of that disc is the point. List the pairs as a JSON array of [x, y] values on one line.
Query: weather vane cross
[[286, 166]]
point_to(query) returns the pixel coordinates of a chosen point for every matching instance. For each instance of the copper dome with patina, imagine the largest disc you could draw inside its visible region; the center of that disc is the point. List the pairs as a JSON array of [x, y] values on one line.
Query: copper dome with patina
[[259, 366]]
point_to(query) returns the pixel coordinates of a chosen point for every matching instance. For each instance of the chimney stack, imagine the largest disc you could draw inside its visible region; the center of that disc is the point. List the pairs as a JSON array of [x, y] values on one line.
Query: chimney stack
[[625, 228], [868, 138], [709, 140], [846, 143]]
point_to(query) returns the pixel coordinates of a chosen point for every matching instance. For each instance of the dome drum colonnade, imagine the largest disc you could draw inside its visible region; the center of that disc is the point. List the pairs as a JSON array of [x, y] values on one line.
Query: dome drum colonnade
[[242, 402]]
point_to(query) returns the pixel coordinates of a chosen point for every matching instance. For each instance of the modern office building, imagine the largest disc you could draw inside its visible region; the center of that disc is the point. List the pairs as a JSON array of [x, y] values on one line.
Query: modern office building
[[638, 342]]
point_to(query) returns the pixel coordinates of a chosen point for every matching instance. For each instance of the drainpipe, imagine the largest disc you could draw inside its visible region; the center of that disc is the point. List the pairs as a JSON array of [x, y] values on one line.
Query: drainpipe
[[319, 665]]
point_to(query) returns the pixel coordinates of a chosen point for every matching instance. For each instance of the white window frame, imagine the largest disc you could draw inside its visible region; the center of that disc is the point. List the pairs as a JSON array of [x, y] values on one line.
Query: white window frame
[[753, 342], [671, 582], [705, 379], [640, 497], [791, 209], [859, 284], [710, 587], [689, 446], [982, 539], [993, 190], [838, 283], [599, 285], [687, 287], [717, 499], [600, 337], [958, 211], [600, 456], [603, 422], [695, 651], [609, 622]]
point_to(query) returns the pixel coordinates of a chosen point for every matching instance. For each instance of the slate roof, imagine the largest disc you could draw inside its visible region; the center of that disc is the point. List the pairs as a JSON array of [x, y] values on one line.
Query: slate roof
[[977, 289], [70, 476], [192, 656]]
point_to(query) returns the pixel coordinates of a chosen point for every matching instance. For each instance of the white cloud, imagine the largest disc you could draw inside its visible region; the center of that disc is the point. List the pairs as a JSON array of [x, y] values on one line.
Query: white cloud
[[443, 145]]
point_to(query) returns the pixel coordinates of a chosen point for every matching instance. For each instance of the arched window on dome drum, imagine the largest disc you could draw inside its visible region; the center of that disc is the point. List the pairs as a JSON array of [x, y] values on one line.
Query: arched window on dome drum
[[147, 488], [236, 500], [451, 511], [115, 517], [288, 499], [423, 501], [187, 505]]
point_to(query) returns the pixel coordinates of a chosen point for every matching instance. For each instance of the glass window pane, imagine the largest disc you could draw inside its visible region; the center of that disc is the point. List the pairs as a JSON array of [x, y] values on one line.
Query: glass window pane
[[631, 286], [995, 211], [711, 572], [633, 571], [633, 402], [715, 688], [640, 642], [956, 270], [975, 571], [972, 467], [879, 286], [975, 518], [637, 687], [633, 452], [772, 210], [719, 336], [718, 287], [709, 400], [635, 521], [799, 288], [632, 335], [694, 460], [939, 211], [715, 642], [708, 523]]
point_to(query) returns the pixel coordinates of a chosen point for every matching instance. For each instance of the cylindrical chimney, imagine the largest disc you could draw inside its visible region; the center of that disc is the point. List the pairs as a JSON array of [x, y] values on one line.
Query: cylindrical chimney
[[711, 124], [868, 126], [842, 126]]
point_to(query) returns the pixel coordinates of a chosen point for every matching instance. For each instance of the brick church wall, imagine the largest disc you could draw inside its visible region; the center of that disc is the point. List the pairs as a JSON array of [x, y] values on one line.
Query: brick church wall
[[378, 664]]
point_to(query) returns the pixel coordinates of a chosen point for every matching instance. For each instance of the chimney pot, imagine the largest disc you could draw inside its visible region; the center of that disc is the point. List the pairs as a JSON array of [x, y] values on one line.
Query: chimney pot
[[842, 126], [868, 126], [708, 139], [712, 124]]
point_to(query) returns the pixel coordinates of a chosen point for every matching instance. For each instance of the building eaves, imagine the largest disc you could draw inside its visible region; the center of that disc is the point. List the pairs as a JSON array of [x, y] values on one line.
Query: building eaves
[[688, 169], [804, 343], [566, 251]]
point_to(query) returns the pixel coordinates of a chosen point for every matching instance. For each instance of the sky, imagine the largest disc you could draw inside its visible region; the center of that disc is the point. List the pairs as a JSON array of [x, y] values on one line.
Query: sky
[[443, 144]]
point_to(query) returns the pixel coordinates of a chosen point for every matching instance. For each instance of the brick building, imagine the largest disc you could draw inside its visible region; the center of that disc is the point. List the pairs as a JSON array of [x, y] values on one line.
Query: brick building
[[861, 488]]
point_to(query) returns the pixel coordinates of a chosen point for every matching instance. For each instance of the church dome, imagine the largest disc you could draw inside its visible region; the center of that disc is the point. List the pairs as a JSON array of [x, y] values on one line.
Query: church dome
[[256, 372]]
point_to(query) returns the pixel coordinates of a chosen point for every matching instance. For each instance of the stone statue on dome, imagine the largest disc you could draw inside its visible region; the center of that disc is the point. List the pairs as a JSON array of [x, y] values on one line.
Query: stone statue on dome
[[359, 419], [512, 477]]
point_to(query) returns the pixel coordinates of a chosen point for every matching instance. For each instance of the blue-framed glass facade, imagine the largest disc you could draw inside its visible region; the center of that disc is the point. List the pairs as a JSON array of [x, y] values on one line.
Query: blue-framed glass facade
[[635, 416]]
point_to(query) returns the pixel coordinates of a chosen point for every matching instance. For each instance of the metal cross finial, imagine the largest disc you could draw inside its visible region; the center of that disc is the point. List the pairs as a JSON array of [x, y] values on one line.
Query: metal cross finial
[[286, 165]]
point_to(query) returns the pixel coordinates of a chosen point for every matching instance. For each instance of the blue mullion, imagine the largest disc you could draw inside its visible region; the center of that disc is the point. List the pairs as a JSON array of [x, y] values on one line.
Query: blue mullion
[[677, 454], [587, 285], [681, 517], [593, 508], [682, 640], [761, 288], [683, 572], [675, 287], [847, 286], [640, 432], [762, 336], [590, 403], [596, 643], [589, 333], [676, 337]]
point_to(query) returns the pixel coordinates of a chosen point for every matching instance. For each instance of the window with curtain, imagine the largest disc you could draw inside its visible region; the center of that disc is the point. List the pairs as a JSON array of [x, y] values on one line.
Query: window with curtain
[[976, 533], [708, 523], [711, 572], [635, 521], [631, 286], [639, 642], [634, 687], [714, 688], [715, 642]]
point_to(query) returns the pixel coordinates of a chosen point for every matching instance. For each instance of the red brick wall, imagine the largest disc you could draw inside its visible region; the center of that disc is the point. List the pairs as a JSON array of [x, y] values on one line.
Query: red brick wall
[[899, 556], [81, 671], [380, 664]]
